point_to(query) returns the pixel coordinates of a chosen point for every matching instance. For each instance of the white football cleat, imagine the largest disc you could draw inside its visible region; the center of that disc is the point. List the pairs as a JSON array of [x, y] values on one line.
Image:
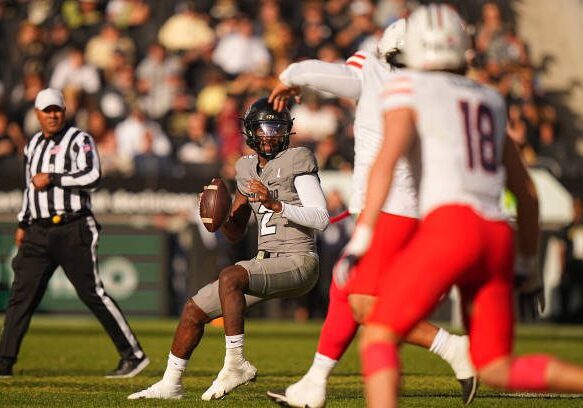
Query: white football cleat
[[228, 379], [460, 362], [306, 393], [463, 368], [160, 390]]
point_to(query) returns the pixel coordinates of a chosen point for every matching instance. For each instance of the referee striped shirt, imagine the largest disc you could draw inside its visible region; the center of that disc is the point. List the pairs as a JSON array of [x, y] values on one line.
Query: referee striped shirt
[[70, 156]]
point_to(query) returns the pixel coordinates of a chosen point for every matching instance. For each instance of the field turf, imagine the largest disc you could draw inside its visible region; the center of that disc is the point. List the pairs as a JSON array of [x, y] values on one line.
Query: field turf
[[64, 358]]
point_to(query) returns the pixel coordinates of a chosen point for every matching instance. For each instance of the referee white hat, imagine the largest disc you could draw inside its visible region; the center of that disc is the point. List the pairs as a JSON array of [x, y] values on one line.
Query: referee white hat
[[49, 97]]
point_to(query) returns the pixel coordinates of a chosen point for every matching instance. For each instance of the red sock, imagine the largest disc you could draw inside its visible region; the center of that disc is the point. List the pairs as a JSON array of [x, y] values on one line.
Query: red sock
[[529, 373], [339, 327], [379, 356]]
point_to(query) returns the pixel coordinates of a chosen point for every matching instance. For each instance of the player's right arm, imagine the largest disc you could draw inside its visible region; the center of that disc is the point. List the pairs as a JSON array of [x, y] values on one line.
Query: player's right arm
[[521, 185], [235, 226], [342, 80]]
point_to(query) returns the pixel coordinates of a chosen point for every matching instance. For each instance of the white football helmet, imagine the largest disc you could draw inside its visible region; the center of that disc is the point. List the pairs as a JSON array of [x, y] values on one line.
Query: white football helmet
[[392, 41], [436, 39]]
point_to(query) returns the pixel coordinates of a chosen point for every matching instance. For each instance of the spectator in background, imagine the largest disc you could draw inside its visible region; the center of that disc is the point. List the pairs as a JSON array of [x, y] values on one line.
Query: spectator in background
[[242, 51], [328, 52], [22, 101], [571, 287], [127, 13], [83, 17], [135, 17], [175, 122], [117, 97], [337, 13], [159, 80], [8, 146], [201, 147], [186, 29], [313, 121], [73, 72], [101, 48], [213, 95], [389, 11], [105, 140], [314, 35], [328, 156], [228, 131], [360, 27], [277, 35], [59, 42], [137, 135], [28, 51]]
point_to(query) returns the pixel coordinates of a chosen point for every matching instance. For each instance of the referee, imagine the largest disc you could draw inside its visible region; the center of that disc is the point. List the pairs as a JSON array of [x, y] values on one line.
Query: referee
[[56, 227]]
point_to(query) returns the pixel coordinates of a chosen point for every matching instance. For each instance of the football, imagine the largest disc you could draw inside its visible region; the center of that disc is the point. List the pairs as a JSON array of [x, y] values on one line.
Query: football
[[214, 204]]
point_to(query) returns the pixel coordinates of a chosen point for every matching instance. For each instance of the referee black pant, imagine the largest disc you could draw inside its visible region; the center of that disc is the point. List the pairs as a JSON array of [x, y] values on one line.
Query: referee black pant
[[73, 246]]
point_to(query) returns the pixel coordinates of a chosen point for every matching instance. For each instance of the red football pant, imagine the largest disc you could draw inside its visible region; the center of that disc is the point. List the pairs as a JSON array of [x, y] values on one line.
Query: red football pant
[[454, 245], [391, 234]]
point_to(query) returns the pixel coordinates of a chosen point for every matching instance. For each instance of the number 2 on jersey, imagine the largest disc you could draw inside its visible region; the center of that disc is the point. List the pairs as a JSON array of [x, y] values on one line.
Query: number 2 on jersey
[[479, 121], [267, 214]]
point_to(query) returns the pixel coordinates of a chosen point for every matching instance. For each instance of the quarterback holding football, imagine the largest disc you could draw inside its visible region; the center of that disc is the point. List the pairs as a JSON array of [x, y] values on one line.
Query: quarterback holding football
[[280, 185]]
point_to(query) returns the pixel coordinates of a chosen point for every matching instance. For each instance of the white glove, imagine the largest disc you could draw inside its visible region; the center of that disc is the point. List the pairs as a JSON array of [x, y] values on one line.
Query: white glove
[[356, 247]]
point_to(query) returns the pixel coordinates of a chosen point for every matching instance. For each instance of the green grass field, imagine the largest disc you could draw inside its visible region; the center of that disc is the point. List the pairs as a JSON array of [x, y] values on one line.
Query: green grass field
[[63, 361]]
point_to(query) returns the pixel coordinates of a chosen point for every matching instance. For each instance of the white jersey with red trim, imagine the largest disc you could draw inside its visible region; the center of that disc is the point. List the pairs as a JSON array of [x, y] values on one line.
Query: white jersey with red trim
[[461, 125], [360, 78]]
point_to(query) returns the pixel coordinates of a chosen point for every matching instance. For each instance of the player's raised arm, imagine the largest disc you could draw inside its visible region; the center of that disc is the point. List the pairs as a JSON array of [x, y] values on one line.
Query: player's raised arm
[[342, 80]]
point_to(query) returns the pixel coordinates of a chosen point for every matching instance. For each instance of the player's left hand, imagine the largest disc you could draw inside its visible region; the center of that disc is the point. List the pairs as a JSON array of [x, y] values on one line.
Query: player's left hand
[[260, 194], [41, 181], [281, 93], [530, 286], [353, 251]]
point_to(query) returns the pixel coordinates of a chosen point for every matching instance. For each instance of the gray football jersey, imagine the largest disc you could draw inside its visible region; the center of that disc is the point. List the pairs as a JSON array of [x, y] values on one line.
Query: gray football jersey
[[277, 233]]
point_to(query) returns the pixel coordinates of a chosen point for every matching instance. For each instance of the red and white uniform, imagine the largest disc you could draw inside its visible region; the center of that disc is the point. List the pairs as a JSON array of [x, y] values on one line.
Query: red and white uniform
[[360, 79], [463, 237]]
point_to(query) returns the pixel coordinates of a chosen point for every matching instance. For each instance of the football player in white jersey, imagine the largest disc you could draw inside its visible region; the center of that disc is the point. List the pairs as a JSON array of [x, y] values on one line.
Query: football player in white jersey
[[360, 79], [457, 127]]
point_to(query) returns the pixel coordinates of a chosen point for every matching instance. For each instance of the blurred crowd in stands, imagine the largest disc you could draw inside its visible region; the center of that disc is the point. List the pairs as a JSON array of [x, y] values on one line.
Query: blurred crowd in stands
[[161, 84]]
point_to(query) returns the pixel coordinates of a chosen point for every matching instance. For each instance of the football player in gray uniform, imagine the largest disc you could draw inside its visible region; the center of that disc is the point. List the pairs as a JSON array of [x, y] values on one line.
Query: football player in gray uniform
[[280, 185]]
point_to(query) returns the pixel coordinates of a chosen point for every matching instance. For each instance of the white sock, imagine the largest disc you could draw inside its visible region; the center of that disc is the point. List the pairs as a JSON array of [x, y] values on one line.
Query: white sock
[[455, 350], [234, 349], [235, 341], [440, 342], [321, 367], [174, 369]]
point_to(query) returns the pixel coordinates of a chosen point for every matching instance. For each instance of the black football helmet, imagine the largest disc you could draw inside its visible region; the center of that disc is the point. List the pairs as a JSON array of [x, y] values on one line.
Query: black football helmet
[[266, 130]]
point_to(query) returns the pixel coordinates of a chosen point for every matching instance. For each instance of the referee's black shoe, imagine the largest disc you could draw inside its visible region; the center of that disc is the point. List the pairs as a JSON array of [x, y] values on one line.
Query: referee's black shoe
[[128, 368], [5, 370]]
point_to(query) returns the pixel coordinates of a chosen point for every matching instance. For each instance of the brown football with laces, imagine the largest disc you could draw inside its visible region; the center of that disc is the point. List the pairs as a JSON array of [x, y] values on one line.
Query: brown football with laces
[[214, 204]]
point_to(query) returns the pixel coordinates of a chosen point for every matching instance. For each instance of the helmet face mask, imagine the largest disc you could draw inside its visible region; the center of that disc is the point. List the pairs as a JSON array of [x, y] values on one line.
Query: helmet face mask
[[266, 130]]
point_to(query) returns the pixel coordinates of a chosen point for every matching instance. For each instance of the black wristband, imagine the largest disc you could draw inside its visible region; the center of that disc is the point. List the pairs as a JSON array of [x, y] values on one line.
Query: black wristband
[[54, 179]]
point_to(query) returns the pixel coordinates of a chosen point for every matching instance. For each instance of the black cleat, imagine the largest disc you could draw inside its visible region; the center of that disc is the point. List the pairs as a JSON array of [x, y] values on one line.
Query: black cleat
[[469, 389], [5, 371], [128, 368]]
